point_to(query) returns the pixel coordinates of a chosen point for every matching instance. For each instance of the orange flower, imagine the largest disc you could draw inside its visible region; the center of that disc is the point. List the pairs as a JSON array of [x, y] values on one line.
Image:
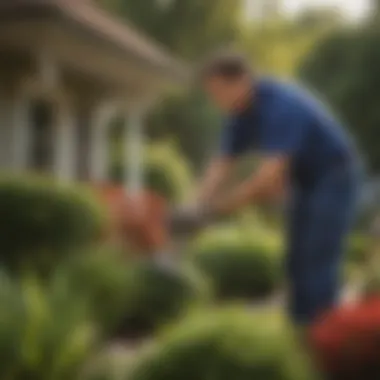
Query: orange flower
[[138, 221]]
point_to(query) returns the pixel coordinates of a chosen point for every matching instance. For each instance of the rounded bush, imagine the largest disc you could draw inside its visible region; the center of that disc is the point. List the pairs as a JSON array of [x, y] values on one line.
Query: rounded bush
[[224, 345], [132, 298], [159, 295], [43, 221], [238, 266], [359, 248], [46, 332], [166, 171], [103, 280]]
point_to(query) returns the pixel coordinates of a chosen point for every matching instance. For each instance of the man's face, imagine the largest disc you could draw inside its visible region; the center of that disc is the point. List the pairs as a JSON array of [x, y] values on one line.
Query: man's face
[[228, 95]]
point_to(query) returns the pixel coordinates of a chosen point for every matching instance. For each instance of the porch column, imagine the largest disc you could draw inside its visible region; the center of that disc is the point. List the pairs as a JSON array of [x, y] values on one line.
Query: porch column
[[134, 145], [14, 132], [101, 118], [65, 143]]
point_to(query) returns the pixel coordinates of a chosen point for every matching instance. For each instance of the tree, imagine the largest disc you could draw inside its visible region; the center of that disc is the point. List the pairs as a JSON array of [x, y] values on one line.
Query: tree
[[277, 46], [189, 28], [345, 69], [320, 18]]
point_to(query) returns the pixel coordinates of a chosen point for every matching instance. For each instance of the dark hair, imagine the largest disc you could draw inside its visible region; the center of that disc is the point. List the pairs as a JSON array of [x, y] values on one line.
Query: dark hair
[[227, 65]]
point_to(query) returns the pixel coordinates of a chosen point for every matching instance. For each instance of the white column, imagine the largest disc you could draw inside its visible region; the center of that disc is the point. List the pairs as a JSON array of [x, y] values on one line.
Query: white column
[[65, 147], [99, 142], [6, 133], [14, 132], [134, 145], [47, 71], [21, 134]]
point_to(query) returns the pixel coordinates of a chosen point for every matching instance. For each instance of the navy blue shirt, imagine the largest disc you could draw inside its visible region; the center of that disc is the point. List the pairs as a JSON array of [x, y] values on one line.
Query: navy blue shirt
[[286, 120]]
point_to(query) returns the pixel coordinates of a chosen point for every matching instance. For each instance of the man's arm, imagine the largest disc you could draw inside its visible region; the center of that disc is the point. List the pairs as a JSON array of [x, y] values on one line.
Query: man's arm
[[215, 177], [269, 181], [279, 143], [231, 146]]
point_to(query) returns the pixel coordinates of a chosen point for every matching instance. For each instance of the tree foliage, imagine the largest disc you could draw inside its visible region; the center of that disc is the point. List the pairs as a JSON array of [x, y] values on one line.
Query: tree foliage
[[192, 28], [187, 27], [277, 46], [345, 69]]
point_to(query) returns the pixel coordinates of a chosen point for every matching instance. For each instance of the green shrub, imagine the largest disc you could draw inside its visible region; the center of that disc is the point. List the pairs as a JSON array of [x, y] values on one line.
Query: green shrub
[[359, 247], [166, 171], [129, 298], [159, 296], [45, 332], [224, 345], [42, 221], [103, 279], [239, 266]]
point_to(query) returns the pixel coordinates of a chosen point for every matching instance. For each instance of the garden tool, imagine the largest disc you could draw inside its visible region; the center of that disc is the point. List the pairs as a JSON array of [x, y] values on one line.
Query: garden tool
[[165, 231], [148, 225]]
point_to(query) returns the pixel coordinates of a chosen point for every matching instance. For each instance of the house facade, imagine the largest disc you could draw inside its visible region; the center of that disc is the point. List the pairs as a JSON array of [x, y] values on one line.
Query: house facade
[[66, 69]]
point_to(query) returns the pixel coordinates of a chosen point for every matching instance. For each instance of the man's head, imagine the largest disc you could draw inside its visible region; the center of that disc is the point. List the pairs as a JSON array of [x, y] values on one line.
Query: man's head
[[227, 79]]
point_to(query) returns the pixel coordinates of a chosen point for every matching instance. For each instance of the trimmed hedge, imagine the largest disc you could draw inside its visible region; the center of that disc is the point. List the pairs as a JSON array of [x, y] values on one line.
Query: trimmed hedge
[[129, 298], [42, 221], [160, 296], [45, 331], [166, 171], [224, 345], [239, 266], [103, 280]]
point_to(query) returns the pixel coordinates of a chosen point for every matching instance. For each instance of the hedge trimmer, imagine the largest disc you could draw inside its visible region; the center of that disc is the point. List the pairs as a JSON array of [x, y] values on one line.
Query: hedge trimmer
[[149, 227]]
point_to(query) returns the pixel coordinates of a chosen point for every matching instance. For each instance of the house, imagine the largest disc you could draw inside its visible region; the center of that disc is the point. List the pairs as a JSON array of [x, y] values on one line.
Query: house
[[67, 68]]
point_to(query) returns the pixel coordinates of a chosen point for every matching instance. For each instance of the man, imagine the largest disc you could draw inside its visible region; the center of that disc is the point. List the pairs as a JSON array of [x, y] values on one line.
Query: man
[[305, 153]]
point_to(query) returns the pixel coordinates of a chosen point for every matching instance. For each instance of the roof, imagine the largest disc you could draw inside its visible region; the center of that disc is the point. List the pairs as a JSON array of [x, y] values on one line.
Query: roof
[[99, 22]]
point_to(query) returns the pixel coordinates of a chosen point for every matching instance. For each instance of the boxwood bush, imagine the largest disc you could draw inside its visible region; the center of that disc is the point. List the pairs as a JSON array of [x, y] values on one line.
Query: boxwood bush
[[45, 331], [42, 221], [166, 171], [239, 265], [132, 298], [158, 296], [224, 345], [103, 279]]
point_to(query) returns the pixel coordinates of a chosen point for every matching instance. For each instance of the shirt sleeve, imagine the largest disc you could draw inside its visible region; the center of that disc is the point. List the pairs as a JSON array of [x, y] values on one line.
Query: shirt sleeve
[[284, 132], [232, 143]]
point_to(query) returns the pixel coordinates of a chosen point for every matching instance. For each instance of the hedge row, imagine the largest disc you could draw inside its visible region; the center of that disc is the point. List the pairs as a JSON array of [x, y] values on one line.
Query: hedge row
[[50, 330], [221, 344], [133, 298], [53, 331]]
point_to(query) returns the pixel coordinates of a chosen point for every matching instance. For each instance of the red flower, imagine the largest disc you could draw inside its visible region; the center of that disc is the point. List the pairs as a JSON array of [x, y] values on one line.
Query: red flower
[[347, 340]]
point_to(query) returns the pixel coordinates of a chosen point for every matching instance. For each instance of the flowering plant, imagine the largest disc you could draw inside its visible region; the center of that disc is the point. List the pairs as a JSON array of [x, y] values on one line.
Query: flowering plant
[[138, 221], [346, 341]]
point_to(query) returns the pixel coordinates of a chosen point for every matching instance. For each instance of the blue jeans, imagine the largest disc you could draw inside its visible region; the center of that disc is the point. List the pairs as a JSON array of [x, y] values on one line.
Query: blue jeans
[[320, 220]]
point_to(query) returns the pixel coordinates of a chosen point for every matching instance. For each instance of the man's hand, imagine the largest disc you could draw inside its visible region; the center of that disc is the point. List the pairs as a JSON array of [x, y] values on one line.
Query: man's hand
[[216, 175], [269, 181]]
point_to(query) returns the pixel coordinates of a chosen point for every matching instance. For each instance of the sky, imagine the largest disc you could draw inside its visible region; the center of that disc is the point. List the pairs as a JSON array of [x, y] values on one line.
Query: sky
[[352, 8]]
